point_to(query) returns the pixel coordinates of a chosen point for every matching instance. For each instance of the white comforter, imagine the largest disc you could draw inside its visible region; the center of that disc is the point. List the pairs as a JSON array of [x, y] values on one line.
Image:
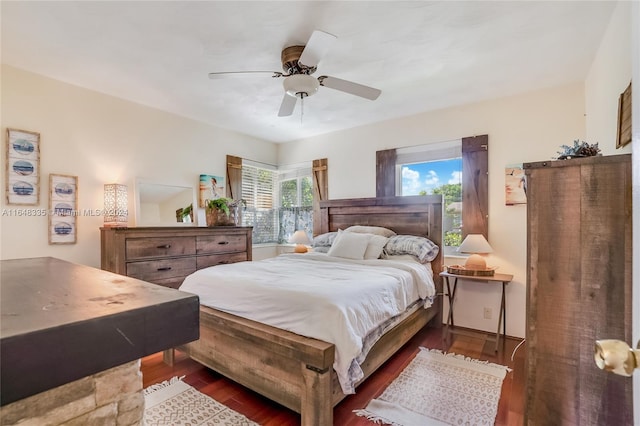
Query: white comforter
[[332, 299]]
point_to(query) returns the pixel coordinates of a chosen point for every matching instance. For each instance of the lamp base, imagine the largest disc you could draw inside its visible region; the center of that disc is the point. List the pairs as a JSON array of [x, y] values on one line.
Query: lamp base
[[476, 262], [300, 249]]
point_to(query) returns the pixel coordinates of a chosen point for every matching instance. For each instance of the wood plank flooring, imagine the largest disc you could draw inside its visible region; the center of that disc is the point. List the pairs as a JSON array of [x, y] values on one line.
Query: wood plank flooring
[[266, 412]]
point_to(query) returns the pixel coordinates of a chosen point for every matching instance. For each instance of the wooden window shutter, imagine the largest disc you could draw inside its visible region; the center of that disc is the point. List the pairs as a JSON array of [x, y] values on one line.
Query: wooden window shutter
[[386, 173], [234, 177], [320, 191], [475, 185]]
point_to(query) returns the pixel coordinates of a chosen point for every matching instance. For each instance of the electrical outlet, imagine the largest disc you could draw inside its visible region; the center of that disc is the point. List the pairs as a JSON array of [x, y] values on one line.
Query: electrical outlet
[[487, 313]]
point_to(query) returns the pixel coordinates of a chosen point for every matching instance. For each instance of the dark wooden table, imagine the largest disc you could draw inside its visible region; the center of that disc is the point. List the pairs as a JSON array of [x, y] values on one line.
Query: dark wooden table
[[61, 321]]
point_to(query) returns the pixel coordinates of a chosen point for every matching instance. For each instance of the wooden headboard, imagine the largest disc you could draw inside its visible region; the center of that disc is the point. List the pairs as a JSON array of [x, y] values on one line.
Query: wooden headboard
[[419, 215]]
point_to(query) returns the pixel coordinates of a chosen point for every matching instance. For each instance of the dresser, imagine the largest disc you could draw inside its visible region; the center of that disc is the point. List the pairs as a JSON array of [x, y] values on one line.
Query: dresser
[[166, 255], [578, 289]]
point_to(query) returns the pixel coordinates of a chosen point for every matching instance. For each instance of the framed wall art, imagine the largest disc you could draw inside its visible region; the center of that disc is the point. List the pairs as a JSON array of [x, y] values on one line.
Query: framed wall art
[[624, 118], [515, 185], [63, 209], [22, 180], [210, 188]]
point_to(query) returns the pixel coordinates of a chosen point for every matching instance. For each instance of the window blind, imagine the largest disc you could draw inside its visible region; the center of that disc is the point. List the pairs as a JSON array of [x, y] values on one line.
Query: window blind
[[260, 191]]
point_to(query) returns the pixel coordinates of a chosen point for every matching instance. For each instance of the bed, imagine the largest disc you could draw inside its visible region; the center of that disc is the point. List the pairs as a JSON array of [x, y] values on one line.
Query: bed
[[297, 371]]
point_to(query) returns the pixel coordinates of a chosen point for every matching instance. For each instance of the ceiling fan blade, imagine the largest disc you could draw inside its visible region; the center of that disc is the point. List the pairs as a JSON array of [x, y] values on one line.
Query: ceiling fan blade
[[287, 106], [349, 87], [317, 46], [227, 74]]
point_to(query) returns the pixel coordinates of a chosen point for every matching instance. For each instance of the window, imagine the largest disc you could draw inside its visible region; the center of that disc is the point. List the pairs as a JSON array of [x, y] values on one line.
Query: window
[[475, 181], [278, 202], [435, 169], [259, 185], [296, 202]]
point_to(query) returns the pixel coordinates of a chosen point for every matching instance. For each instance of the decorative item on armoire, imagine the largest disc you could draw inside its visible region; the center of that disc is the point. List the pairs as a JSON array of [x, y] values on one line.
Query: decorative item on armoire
[[63, 208], [22, 179], [579, 149]]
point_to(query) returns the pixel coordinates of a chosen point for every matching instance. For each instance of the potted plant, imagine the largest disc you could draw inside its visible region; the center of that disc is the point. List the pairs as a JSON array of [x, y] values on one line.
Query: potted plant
[[186, 214], [218, 212]]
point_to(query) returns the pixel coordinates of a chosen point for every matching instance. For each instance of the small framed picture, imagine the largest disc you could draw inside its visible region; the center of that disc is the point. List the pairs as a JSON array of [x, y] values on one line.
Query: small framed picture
[[22, 185], [63, 209], [515, 185], [210, 188]]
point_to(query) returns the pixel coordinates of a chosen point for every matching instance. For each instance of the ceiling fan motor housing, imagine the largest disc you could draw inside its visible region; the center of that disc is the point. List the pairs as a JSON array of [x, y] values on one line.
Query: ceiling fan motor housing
[[290, 65]]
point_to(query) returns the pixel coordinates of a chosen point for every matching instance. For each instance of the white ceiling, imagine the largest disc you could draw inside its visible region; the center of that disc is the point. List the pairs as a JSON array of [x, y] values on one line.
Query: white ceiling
[[422, 55]]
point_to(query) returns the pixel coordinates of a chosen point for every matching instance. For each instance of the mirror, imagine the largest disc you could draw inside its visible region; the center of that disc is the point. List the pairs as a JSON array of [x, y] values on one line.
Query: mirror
[[158, 204]]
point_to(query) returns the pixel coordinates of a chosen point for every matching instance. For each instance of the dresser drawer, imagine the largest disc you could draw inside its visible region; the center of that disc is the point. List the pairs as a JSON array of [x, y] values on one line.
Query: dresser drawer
[[144, 248], [164, 269], [220, 259], [221, 243]]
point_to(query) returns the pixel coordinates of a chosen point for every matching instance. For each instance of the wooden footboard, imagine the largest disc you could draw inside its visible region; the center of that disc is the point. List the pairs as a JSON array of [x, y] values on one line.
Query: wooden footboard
[[293, 370], [290, 369]]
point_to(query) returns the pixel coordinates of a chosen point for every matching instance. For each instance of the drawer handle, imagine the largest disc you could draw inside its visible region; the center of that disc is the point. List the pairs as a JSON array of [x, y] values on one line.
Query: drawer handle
[[224, 262], [166, 246], [166, 268], [222, 243]]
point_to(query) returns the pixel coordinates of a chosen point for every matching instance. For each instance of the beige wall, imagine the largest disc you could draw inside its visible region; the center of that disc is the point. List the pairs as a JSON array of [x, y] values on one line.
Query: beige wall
[[608, 77], [102, 139]]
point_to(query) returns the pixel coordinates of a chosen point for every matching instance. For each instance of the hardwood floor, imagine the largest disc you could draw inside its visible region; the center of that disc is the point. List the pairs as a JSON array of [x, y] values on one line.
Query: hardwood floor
[[266, 412]]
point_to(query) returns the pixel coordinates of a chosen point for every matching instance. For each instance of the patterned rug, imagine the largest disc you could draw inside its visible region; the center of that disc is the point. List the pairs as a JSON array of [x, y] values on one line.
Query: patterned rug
[[174, 403], [440, 389]]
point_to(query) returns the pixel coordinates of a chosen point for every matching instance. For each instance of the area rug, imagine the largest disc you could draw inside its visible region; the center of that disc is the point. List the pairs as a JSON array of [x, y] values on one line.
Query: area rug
[[440, 389], [174, 403]]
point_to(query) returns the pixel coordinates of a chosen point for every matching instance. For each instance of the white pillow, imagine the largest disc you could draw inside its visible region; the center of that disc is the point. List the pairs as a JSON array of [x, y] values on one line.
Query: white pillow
[[349, 245], [375, 246], [376, 230]]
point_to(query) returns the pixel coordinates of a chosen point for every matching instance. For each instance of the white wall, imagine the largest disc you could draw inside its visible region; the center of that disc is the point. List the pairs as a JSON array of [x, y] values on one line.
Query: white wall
[[635, 128], [608, 77], [102, 139], [524, 128]]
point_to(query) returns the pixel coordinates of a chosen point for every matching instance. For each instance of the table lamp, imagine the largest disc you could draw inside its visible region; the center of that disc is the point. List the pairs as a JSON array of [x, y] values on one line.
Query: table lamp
[[300, 238], [476, 244], [115, 205]]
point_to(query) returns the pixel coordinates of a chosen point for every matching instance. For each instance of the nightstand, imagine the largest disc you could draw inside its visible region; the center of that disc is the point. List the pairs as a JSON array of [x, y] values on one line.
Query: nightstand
[[505, 279]]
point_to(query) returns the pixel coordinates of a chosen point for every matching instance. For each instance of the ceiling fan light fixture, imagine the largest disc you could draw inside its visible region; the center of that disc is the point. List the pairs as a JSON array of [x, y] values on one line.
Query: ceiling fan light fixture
[[300, 85]]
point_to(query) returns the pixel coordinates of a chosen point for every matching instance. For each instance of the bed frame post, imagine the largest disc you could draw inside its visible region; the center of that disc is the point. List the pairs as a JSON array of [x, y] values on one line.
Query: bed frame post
[[316, 407]]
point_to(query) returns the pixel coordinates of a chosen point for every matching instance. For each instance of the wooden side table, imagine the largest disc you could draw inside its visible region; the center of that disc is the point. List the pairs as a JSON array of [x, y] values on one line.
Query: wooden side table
[[505, 279]]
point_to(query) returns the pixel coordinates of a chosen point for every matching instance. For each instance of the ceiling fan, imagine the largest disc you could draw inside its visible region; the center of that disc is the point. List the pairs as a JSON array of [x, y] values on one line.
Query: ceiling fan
[[298, 63]]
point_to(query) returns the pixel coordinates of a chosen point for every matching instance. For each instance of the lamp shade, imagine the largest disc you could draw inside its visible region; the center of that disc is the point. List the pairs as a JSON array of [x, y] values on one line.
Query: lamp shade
[[116, 204], [300, 238], [475, 244]]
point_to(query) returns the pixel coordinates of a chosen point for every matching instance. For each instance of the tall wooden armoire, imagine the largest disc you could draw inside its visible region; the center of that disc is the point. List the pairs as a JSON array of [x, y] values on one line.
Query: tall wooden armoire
[[578, 289]]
